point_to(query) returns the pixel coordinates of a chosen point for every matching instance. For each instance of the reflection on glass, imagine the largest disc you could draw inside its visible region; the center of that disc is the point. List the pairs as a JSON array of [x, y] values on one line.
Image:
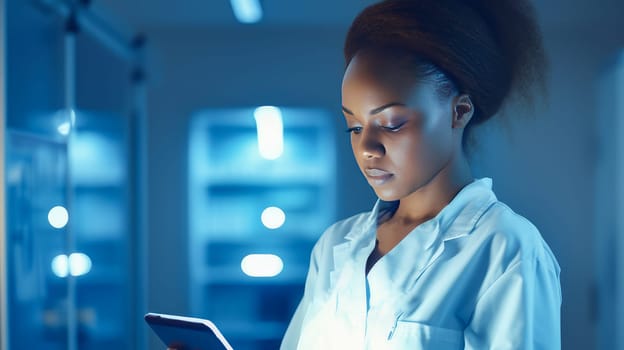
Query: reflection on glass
[[65, 120], [58, 217], [59, 265], [64, 128], [77, 264]]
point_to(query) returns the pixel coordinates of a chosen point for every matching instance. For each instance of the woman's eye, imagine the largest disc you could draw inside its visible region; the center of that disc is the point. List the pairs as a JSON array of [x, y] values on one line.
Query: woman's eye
[[354, 130], [393, 127]]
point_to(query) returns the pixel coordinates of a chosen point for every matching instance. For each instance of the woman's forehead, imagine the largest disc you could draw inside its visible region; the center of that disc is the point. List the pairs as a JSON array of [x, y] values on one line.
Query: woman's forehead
[[376, 76], [379, 66]]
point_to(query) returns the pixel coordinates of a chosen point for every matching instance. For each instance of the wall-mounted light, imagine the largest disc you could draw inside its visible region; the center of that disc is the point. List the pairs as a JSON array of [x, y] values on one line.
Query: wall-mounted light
[[247, 11], [262, 265], [270, 132]]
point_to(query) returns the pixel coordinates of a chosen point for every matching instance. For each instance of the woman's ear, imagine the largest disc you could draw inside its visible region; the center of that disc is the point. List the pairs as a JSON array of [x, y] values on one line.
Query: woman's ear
[[463, 109]]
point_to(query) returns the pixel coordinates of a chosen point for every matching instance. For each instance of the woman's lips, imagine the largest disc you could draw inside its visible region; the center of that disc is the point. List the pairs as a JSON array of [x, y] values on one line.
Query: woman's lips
[[377, 176]]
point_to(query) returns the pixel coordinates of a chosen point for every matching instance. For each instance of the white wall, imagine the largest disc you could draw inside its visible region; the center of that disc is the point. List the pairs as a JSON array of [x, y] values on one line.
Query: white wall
[[545, 170]]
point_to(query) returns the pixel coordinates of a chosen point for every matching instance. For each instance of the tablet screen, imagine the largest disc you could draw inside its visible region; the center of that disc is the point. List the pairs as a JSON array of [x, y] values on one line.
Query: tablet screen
[[187, 333]]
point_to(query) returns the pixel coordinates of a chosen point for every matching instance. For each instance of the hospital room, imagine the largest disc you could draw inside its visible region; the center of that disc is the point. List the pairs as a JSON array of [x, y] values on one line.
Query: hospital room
[[273, 174]]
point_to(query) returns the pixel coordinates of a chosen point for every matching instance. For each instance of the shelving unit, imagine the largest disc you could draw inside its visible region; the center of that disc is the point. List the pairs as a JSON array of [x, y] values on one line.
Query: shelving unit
[[230, 185]]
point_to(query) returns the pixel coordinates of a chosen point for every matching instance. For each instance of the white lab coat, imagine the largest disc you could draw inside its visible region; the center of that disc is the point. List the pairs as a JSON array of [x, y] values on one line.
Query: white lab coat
[[477, 276]]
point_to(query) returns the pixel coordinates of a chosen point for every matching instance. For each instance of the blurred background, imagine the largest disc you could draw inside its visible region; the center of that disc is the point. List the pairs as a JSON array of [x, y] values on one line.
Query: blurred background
[[183, 157]]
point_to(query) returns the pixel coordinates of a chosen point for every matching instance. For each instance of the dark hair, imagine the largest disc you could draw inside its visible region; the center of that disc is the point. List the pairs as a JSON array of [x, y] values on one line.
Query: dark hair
[[487, 49]]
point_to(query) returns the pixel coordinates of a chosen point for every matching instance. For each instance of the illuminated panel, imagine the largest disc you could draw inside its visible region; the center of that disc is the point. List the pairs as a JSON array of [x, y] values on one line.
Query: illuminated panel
[[270, 132], [273, 217], [247, 11], [262, 265]]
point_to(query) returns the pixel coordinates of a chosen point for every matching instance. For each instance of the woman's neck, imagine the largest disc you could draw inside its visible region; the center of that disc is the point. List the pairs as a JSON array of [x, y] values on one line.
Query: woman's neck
[[427, 201]]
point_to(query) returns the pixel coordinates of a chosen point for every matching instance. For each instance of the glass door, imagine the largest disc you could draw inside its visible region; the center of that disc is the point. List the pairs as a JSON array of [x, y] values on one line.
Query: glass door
[[73, 246], [609, 206], [36, 193]]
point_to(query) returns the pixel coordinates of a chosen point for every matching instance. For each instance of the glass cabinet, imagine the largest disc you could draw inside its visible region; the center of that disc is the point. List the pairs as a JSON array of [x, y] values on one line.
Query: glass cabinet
[[68, 247]]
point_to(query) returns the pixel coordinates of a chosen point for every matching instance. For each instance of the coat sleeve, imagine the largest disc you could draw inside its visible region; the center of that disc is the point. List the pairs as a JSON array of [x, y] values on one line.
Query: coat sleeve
[[520, 310], [293, 332]]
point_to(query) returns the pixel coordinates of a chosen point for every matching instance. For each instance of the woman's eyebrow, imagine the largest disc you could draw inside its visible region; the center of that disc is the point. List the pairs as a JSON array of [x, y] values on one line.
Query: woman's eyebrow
[[344, 109], [376, 110], [391, 104]]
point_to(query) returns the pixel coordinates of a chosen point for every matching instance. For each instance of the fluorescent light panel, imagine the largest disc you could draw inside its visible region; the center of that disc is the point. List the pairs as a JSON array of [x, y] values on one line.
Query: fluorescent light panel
[[270, 132]]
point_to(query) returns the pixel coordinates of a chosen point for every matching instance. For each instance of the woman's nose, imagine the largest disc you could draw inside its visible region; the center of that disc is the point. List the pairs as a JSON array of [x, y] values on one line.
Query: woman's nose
[[370, 145]]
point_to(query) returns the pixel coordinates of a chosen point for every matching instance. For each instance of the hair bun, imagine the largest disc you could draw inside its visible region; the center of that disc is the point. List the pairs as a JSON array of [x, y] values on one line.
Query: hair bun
[[488, 48], [514, 26]]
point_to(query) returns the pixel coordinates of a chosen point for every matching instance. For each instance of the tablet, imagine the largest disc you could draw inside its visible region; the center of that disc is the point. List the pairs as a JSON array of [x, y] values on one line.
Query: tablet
[[187, 333]]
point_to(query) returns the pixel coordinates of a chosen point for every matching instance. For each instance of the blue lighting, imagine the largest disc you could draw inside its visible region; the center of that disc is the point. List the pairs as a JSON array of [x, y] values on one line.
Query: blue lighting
[[270, 132], [247, 11], [262, 265], [77, 264], [68, 120], [58, 217], [60, 265], [64, 128], [273, 217]]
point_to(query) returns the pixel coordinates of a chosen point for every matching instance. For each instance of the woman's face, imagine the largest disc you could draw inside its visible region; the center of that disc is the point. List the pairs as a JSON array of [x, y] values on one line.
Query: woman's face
[[401, 130]]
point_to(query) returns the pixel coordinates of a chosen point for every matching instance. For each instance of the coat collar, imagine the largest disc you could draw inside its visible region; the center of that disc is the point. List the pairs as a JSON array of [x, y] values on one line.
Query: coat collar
[[456, 219]]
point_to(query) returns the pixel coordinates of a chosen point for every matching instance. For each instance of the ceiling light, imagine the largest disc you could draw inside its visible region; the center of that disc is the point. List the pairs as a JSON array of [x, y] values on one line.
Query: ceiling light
[[247, 11]]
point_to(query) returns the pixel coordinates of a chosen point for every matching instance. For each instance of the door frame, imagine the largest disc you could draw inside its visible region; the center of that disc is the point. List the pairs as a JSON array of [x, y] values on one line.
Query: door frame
[[609, 206], [3, 265]]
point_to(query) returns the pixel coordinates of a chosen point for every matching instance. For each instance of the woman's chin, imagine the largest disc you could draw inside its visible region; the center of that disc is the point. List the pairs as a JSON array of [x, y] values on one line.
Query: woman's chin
[[386, 195]]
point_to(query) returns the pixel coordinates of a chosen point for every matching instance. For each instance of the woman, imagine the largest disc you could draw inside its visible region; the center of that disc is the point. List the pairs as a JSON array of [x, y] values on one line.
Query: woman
[[439, 262]]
